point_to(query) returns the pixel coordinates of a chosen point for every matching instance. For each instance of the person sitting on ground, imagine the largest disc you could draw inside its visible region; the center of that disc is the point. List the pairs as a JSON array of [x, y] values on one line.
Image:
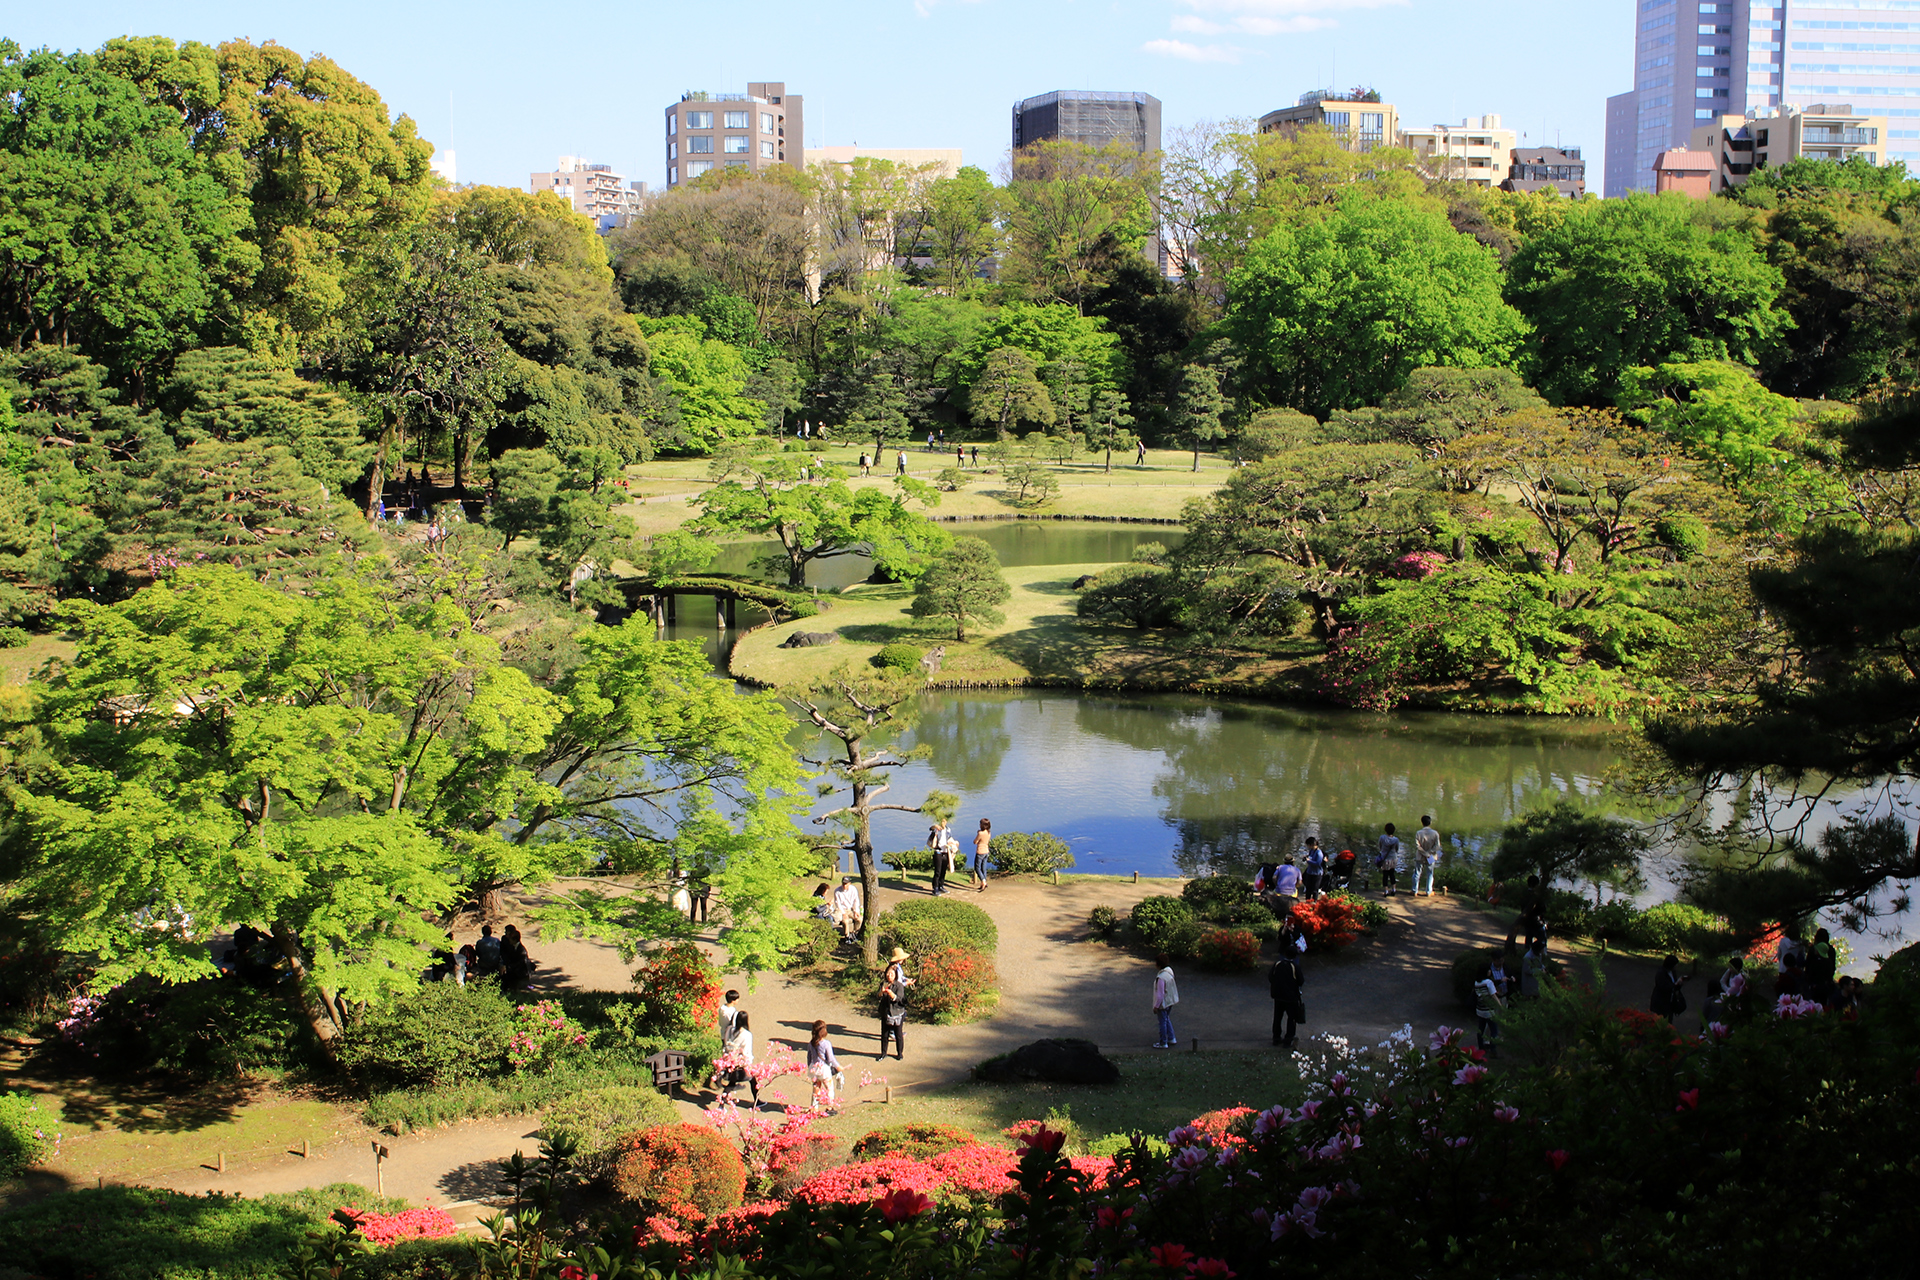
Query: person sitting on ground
[[488, 949], [516, 966], [823, 1069], [740, 1046], [1313, 872], [846, 907], [824, 907], [1286, 884], [466, 963]]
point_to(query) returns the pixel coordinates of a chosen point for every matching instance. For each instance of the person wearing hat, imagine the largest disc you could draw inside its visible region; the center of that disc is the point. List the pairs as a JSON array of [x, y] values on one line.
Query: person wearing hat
[[893, 1004]]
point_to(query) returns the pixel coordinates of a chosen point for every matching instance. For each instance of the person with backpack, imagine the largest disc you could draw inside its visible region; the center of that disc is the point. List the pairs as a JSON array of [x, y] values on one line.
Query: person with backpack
[[1284, 981], [1388, 861], [1426, 855], [893, 1004]]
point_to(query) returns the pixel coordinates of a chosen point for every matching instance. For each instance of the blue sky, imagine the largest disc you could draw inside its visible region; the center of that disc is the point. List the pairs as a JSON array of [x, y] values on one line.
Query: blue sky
[[513, 86]]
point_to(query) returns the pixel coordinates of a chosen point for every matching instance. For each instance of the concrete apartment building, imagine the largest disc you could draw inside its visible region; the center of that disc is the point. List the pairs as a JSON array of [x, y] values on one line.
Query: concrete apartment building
[[1091, 116], [1556, 169], [1477, 151], [593, 189], [1361, 123], [755, 130], [1741, 144], [945, 160], [1695, 60]]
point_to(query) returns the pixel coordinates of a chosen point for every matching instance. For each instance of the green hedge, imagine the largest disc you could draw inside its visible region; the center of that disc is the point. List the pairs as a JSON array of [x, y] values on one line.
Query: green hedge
[[899, 657], [440, 1034], [915, 1141], [1223, 898], [1159, 920], [596, 1119], [1031, 853], [924, 925]]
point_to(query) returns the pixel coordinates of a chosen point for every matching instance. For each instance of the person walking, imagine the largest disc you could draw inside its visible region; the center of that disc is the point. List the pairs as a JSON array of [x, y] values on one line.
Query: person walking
[[1284, 981], [729, 1014], [1166, 994], [982, 849], [740, 1048], [1388, 860], [893, 1004], [865, 466], [1669, 1000], [823, 1069], [900, 461], [1426, 855], [1486, 1007], [1313, 872], [1140, 453], [976, 455], [1533, 967], [959, 456]]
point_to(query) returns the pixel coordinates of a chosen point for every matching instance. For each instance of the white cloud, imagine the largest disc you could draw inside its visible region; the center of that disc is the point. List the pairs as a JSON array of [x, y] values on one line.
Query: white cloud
[[1192, 52], [1266, 17]]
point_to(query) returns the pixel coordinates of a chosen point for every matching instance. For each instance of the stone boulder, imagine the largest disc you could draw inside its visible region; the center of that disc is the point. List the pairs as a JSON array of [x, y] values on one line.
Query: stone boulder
[[1056, 1061], [1083, 581], [810, 639]]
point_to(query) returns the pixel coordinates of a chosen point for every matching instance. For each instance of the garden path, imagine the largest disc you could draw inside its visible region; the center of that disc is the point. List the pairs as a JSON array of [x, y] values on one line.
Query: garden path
[[1053, 983]]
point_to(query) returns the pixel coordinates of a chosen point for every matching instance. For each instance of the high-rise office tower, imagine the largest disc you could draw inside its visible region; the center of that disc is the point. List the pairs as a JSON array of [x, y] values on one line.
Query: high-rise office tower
[[1090, 116], [754, 130], [1695, 60]]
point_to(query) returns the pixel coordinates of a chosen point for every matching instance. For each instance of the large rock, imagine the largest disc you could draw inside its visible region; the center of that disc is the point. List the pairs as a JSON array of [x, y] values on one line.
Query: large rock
[[1058, 1061], [1083, 581], [810, 639]]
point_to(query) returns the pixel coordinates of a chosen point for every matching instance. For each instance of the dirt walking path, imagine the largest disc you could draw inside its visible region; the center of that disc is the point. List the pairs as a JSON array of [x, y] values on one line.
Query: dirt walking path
[[1053, 983]]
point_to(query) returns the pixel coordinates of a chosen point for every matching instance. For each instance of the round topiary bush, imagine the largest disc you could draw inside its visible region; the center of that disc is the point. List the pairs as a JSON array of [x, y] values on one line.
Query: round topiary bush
[[1155, 919], [1217, 897], [1034, 853], [687, 1170], [899, 657], [597, 1119], [952, 984], [925, 925], [1228, 950], [1102, 923], [915, 1141]]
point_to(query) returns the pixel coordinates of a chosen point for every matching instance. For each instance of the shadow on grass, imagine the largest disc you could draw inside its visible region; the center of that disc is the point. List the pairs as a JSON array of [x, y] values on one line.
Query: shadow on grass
[[135, 1105]]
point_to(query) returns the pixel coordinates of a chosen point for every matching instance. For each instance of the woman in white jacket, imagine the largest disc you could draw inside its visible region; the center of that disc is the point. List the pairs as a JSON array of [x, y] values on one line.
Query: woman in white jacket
[[741, 1048], [1166, 994]]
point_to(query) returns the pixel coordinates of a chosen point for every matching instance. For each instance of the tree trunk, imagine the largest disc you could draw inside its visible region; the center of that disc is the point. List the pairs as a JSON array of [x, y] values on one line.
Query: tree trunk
[[377, 481], [313, 1004], [869, 876], [1196, 457]]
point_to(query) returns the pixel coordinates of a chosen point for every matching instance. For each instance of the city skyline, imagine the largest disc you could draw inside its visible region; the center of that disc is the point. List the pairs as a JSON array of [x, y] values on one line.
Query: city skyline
[[472, 76]]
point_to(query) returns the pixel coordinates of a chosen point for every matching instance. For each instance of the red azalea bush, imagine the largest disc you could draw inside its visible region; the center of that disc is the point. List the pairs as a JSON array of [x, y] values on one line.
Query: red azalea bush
[[684, 1170], [1229, 950], [869, 1180], [1329, 923], [680, 988], [1225, 1127], [953, 984], [382, 1229]]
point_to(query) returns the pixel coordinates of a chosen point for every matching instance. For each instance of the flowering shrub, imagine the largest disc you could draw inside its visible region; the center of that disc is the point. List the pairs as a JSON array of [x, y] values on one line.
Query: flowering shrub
[[683, 1170], [1224, 1127], [1230, 950], [1417, 564], [780, 1150], [680, 988], [953, 984], [869, 1180], [27, 1136], [919, 1141], [1329, 923], [541, 1033], [383, 1229]]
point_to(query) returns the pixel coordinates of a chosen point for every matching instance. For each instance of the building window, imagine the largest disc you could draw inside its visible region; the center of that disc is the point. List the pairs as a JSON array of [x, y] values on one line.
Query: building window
[[1372, 122], [735, 164], [673, 151], [673, 174], [766, 122], [673, 125], [697, 167], [699, 119], [699, 146], [766, 150], [1339, 119], [735, 145], [738, 119]]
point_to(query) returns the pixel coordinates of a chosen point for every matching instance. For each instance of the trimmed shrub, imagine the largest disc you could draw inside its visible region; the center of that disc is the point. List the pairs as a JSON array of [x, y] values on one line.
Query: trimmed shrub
[[441, 1033], [1217, 897], [1114, 1143], [953, 984], [1017, 853], [13, 637], [899, 657], [687, 1170], [542, 1033], [1229, 950], [1459, 877], [1102, 923], [925, 925], [598, 1119], [680, 988], [817, 942], [1182, 941], [1155, 919], [909, 860], [27, 1134], [1676, 927], [915, 1141]]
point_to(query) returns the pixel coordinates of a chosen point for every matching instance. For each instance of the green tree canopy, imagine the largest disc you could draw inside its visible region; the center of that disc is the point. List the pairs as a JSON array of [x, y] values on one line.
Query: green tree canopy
[[1636, 282], [963, 584], [1336, 313], [820, 516], [1007, 391]]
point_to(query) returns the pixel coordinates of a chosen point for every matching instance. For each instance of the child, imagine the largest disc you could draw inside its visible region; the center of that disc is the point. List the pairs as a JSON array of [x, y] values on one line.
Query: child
[[1487, 1006], [823, 1069]]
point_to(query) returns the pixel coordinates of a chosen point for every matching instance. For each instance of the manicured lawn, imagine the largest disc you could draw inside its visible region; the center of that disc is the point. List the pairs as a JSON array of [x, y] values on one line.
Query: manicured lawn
[[17, 665]]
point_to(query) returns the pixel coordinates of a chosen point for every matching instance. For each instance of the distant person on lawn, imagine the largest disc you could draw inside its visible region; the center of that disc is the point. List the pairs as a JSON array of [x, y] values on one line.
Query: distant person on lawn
[[1166, 994]]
